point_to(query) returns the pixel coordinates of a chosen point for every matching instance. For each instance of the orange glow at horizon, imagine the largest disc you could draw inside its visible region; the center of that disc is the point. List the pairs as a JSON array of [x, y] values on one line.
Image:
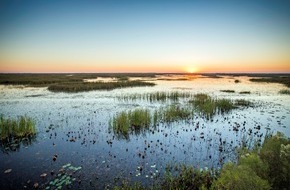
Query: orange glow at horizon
[[62, 66]]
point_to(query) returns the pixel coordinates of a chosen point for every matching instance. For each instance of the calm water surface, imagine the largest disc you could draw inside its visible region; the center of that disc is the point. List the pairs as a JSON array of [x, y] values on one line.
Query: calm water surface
[[104, 159]]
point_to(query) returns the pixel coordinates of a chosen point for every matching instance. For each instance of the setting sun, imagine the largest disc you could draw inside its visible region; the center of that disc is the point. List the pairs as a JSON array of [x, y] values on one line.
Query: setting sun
[[191, 69]]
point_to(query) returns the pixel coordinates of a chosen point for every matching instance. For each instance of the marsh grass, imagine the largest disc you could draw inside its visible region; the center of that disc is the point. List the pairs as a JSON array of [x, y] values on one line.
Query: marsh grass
[[228, 91], [274, 79], [12, 129], [156, 96], [286, 91], [173, 113], [73, 82], [83, 86], [263, 168], [245, 92], [208, 106], [187, 177], [127, 122], [140, 120]]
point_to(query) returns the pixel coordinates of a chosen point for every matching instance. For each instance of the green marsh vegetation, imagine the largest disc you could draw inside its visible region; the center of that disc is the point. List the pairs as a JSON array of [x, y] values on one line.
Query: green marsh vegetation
[[281, 79], [245, 92], [74, 82], [156, 96], [138, 120], [286, 91], [88, 86], [208, 106], [228, 91], [16, 131], [11, 129], [127, 122], [263, 167]]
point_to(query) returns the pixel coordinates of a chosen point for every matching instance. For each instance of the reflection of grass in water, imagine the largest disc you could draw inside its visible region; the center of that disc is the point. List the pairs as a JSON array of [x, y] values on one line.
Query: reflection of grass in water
[[208, 106], [12, 129], [156, 96], [286, 91]]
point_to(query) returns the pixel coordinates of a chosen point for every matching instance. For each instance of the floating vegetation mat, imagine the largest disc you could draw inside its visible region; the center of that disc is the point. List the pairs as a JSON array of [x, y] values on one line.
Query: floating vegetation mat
[[63, 178]]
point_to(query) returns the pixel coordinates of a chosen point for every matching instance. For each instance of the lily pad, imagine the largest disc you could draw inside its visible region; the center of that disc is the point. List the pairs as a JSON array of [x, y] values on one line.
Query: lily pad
[[7, 171]]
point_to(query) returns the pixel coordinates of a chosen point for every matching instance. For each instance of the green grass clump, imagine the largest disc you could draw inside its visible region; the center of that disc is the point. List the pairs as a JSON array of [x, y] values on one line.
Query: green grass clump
[[187, 178], [12, 129], [127, 122], [174, 113], [239, 177], [156, 96], [228, 91], [245, 92], [285, 92], [209, 106]]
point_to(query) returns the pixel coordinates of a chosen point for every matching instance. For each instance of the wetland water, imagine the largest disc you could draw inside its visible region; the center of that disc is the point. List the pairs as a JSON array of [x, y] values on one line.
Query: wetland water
[[74, 138]]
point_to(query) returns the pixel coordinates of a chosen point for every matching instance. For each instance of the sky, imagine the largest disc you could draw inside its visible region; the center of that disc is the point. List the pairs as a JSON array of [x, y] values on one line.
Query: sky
[[144, 36]]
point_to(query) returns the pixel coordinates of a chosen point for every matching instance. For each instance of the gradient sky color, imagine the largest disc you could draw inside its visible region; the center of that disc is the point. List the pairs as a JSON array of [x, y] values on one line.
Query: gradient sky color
[[145, 36]]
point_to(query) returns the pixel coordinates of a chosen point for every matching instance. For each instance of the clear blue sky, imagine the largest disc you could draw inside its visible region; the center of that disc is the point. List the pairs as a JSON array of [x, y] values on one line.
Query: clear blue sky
[[144, 36]]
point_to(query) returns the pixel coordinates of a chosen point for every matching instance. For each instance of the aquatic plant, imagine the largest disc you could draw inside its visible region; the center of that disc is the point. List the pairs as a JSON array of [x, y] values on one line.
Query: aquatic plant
[[245, 92], [127, 122], [228, 91], [74, 82], [286, 91], [63, 178], [156, 96], [174, 113], [86, 86], [138, 120], [12, 129], [266, 167], [209, 106], [187, 177], [281, 79]]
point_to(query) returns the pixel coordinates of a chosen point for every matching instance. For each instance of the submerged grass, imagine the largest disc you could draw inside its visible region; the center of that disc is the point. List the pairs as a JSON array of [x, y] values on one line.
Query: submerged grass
[[12, 129]]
